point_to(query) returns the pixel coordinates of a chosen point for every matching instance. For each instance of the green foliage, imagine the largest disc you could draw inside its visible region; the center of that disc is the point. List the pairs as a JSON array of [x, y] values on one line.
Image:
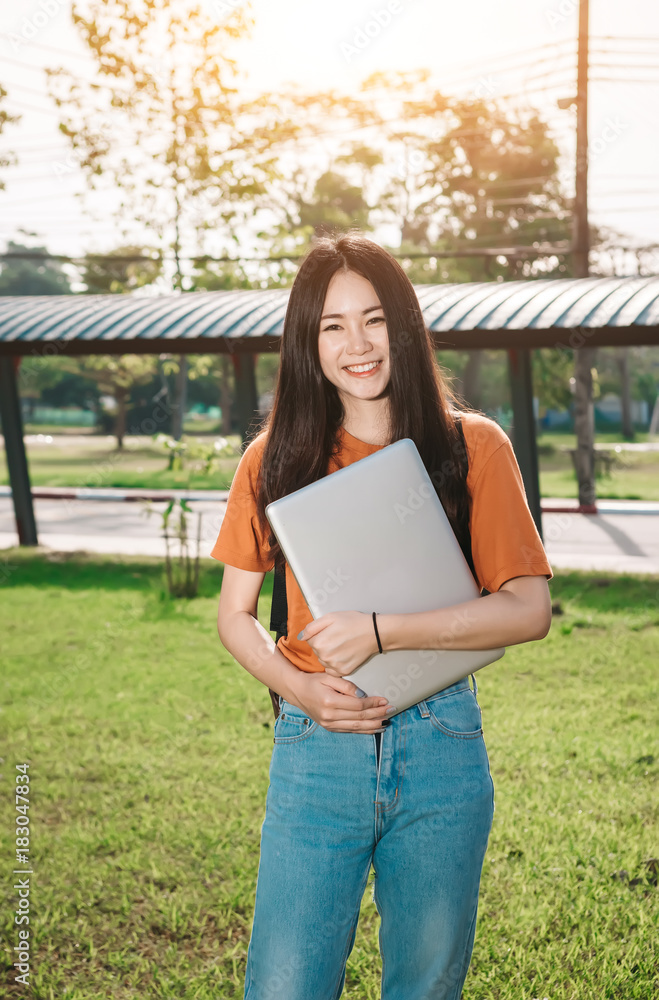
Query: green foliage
[[552, 371], [117, 375], [182, 566], [115, 273], [210, 277], [94, 461], [188, 161], [646, 388], [23, 276], [193, 454], [113, 372], [335, 205], [43, 378], [7, 159]]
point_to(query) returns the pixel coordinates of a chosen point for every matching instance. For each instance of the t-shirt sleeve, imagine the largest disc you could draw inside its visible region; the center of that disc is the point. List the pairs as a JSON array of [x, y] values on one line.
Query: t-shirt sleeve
[[505, 541], [240, 541]]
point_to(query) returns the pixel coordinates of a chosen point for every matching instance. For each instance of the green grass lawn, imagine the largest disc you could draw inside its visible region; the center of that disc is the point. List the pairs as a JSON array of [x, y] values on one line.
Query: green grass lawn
[[634, 475], [640, 481], [94, 461], [150, 746], [88, 460]]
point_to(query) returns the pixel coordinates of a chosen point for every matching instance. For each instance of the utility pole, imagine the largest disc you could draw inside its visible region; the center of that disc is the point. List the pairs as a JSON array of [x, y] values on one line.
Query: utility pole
[[580, 234], [584, 357]]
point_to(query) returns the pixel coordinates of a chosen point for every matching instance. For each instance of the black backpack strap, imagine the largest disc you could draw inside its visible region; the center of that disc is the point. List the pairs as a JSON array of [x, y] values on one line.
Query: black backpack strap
[[278, 620], [279, 607], [465, 542]]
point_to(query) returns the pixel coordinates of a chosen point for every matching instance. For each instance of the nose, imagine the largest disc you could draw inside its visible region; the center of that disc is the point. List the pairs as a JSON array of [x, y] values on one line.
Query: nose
[[357, 341]]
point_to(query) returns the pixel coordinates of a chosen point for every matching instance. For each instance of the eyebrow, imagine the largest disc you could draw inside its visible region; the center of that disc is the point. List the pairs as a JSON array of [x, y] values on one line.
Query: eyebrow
[[342, 315]]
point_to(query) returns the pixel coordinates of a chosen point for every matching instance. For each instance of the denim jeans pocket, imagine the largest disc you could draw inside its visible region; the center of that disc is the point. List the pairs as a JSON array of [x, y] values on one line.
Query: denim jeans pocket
[[456, 713], [292, 725]]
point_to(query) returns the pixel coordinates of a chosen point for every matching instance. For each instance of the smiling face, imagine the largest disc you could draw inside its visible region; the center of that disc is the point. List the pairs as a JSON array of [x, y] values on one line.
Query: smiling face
[[353, 343]]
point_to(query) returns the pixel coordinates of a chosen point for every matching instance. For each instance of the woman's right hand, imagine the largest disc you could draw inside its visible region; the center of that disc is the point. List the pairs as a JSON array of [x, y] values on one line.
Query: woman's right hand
[[333, 703]]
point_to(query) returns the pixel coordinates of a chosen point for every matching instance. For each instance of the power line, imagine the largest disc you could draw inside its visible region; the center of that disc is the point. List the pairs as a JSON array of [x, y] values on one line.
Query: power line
[[49, 48], [450, 82], [206, 259], [31, 107], [467, 67], [629, 208], [625, 38], [623, 80], [311, 134], [21, 65], [622, 194], [354, 128], [635, 66]]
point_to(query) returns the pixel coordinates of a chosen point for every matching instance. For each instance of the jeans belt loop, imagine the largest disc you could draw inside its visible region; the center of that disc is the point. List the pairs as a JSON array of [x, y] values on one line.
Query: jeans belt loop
[[424, 711]]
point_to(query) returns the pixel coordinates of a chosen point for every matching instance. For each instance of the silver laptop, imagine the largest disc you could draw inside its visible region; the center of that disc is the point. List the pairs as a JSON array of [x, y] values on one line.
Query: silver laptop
[[373, 536]]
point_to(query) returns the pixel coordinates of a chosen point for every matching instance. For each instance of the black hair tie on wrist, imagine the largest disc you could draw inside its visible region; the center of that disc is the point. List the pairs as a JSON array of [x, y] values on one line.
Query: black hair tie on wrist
[[377, 634]]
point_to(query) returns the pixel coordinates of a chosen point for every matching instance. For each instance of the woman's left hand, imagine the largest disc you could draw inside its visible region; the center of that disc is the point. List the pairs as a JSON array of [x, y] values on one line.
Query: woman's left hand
[[342, 640]]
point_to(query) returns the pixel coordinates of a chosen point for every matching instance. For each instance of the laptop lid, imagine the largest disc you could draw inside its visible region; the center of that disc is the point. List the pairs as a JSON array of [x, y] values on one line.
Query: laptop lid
[[373, 536]]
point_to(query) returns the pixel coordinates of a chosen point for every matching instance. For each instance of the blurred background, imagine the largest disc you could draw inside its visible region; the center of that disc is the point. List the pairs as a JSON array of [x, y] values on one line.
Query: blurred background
[[154, 151]]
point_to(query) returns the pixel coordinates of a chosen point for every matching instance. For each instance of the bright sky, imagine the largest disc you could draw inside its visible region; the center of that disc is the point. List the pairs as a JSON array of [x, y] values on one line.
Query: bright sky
[[469, 47]]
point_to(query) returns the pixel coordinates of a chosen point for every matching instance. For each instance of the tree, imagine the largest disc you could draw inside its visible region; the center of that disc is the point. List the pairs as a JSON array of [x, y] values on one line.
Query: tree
[[460, 174], [6, 159], [26, 274], [335, 204], [471, 174], [625, 393], [115, 375], [167, 132], [116, 272], [552, 370]]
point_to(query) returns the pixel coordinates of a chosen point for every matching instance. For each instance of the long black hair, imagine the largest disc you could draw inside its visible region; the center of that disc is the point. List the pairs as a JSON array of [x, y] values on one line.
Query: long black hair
[[307, 411]]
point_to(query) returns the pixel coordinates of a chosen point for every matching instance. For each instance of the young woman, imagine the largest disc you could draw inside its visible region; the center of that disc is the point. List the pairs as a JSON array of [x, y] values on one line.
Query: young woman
[[350, 787]]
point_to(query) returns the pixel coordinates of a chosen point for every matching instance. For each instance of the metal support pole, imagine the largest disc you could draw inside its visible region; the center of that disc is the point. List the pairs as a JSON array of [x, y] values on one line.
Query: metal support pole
[[19, 476], [246, 395], [181, 395], [526, 450]]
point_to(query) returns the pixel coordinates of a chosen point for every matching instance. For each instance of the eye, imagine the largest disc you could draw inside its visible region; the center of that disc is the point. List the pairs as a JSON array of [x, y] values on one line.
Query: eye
[[376, 319], [332, 326]]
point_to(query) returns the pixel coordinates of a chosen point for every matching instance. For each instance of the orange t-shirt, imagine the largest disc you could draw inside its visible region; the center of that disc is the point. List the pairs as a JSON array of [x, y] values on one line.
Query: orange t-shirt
[[504, 539]]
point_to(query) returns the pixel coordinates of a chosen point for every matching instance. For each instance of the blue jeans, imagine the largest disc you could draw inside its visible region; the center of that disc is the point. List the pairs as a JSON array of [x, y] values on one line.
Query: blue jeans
[[420, 814]]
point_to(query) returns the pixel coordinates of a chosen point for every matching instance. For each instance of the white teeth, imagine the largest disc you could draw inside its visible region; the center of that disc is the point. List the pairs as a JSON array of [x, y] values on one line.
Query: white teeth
[[362, 368]]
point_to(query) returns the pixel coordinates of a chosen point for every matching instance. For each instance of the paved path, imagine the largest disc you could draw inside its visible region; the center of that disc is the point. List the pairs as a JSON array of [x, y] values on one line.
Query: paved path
[[620, 542], [107, 525], [549, 505]]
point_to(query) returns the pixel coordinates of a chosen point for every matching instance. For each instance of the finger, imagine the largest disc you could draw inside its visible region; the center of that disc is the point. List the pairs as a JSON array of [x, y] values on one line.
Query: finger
[[359, 714], [346, 726], [343, 686], [313, 627], [362, 707]]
